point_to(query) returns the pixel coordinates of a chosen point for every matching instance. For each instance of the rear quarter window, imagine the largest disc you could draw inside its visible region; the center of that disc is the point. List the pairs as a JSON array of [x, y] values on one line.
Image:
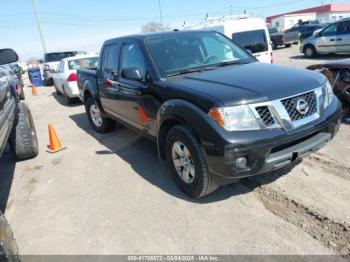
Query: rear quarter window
[[84, 63], [255, 40], [55, 57]]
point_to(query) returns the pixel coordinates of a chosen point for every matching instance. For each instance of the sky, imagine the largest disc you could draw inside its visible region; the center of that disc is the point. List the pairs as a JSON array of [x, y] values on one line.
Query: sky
[[85, 24]]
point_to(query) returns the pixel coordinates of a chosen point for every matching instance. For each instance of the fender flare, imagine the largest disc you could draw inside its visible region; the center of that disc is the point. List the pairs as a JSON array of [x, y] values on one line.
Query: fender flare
[[89, 87], [178, 111]]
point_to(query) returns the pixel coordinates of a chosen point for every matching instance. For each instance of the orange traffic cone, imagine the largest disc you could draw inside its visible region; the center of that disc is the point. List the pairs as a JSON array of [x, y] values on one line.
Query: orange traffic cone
[[55, 144], [34, 91]]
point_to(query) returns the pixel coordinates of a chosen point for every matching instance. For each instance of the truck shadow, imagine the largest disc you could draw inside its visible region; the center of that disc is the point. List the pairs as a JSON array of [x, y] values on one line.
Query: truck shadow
[[141, 154], [61, 100], [7, 170]]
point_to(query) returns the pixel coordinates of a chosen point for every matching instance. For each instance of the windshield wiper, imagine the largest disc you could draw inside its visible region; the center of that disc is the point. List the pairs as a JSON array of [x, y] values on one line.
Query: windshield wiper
[[188, 71], [231, 62]]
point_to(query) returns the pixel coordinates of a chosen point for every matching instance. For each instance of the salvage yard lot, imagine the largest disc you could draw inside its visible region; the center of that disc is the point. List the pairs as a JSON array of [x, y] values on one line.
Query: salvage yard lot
[[109, 194]]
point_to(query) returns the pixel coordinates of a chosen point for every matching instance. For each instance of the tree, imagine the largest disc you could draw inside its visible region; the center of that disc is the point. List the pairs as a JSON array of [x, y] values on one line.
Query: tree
[[153, 27]]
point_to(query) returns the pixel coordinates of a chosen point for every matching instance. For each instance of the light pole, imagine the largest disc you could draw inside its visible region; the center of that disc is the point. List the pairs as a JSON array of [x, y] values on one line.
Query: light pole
[[38, 25]]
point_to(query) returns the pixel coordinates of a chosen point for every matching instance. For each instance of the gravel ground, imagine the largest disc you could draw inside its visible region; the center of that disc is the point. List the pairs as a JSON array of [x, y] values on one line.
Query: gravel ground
[[109, 194]]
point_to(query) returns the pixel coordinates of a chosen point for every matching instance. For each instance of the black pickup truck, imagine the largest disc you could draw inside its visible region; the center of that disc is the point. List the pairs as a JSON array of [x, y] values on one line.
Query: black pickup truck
[[216, 114]]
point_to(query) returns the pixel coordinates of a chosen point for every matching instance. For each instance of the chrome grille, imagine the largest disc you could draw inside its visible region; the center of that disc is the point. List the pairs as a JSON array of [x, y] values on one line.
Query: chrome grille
[[291, 105], [265, 115]]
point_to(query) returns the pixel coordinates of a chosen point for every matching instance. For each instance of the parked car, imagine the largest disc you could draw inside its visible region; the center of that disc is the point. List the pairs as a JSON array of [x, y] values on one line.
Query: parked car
[[333, 39], [65, 78], [338, 74], [277, 38], [250, 33], [51, 61], [299, 33], [216, 113], [17, 128], [16, 79]]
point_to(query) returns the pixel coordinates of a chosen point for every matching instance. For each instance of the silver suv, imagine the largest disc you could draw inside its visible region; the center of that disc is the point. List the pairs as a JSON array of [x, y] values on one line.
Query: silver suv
[[335, 38]]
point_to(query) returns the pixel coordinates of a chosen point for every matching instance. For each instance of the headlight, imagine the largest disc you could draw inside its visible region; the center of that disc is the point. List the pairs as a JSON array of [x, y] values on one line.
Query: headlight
[[236, 118], [328, 94]]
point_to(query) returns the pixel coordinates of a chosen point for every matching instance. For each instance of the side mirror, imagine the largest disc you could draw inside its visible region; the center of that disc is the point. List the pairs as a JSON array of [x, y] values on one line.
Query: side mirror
[[317, 34], [132, 74], [8, 56]]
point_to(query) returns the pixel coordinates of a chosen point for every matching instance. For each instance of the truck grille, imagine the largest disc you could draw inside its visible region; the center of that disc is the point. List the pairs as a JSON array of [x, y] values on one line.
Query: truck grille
[[265, 115], [291, 106]]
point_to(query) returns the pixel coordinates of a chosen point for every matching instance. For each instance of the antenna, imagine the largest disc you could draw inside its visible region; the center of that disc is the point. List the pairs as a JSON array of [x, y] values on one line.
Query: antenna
[[160, 14]]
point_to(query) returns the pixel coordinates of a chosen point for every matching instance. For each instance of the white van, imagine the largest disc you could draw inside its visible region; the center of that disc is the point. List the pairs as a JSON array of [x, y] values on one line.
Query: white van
[[250, 33]]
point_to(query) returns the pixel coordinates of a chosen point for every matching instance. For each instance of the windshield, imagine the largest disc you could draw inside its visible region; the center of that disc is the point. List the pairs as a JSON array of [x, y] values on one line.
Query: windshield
[[55, 57], [255, 40], [83, 63], [175, 53]]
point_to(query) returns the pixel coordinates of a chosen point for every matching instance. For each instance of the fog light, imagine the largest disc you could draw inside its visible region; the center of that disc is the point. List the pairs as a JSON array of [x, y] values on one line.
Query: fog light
[[241, 163]]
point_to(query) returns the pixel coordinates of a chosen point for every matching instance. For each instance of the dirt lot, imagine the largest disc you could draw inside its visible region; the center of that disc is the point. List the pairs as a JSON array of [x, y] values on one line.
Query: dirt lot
[[109, 194]]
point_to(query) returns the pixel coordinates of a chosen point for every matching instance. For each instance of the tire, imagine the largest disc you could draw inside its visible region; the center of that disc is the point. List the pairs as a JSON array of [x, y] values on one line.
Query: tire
[[57, 91], [22, 95], [200, 183], [68, 100], [274, 46], [105, 124], [23, 139], [8, 245], [309, 51], [288, 45], [48, 82]]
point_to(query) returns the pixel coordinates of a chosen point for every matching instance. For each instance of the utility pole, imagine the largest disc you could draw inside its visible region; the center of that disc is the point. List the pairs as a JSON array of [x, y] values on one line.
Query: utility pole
[[38, 25], [160, 14]]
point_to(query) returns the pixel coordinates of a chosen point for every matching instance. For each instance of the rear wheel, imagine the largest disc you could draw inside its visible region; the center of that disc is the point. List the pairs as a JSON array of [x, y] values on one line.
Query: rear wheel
[[274, 45], [8, 245], [68, 99], [100, 123], [187, 163], [288, 45], [23, 139], [22, 95], [309, 51]]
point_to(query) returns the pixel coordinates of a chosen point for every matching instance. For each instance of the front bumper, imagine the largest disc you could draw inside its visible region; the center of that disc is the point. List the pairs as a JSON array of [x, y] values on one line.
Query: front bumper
[[269, 150]]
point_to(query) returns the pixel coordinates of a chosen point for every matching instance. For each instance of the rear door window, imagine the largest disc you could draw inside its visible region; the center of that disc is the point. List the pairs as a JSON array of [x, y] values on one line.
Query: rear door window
[[344, 28], [255, 41], [111, 58]]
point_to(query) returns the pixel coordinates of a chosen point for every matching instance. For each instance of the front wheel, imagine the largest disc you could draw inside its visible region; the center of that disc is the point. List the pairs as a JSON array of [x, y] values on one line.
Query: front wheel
[[8, 245], [100, 123], [187, 163], [309, 51]]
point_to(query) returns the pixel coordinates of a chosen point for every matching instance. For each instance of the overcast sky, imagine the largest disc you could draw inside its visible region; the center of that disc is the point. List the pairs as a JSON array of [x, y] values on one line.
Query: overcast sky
[[85, 24]]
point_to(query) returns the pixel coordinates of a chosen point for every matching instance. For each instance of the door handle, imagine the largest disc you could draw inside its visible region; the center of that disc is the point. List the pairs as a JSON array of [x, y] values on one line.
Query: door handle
[[332, 40], [339, 39]]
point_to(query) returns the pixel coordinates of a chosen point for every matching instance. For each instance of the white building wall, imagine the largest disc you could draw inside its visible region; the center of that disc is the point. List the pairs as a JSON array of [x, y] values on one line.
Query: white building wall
[[287, 21], [330, 17]]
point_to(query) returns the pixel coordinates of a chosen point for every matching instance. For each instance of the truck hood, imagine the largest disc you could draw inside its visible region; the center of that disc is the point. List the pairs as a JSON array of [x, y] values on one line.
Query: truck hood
[[249, 83]]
